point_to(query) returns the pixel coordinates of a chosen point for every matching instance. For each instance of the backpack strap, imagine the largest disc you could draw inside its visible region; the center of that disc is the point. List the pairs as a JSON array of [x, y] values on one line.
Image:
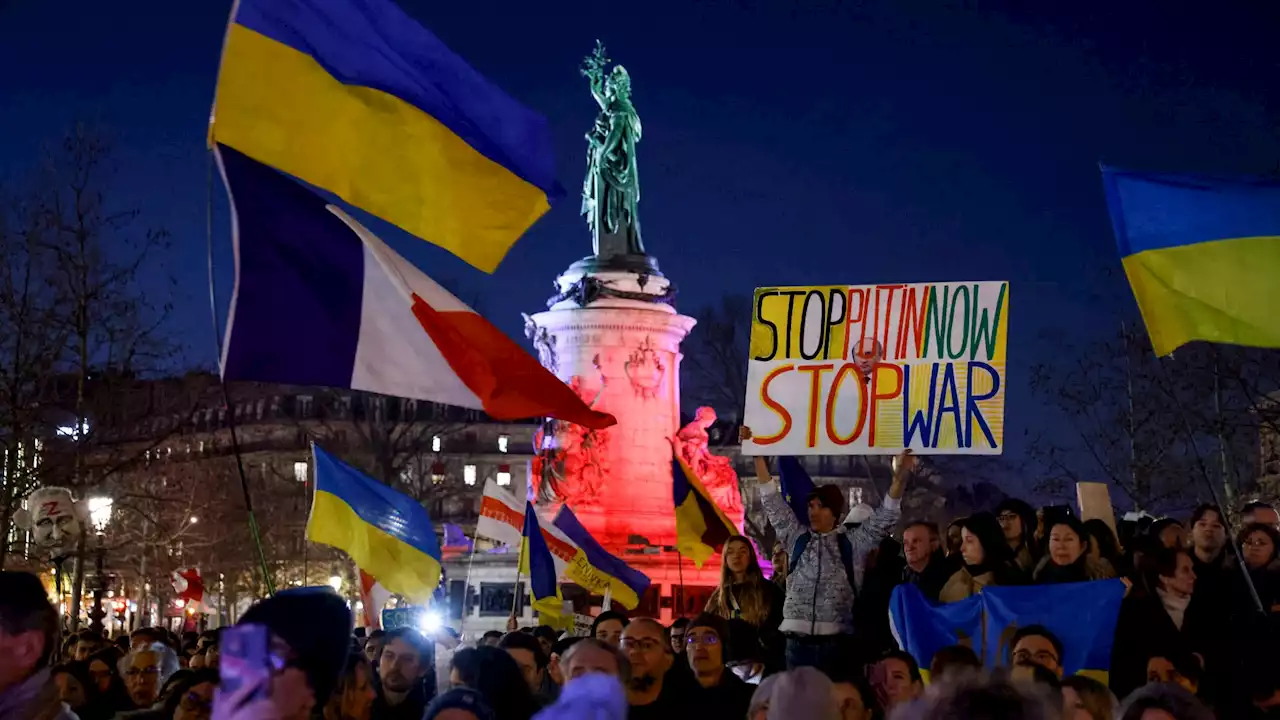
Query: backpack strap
[[797, 551], [846, 555]]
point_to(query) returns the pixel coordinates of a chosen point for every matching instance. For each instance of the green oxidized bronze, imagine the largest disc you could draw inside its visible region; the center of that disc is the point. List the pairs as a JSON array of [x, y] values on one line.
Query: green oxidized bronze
[[611, 191]]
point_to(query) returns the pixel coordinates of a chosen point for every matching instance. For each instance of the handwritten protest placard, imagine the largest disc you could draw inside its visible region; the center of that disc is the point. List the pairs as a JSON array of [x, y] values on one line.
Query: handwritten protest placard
[[873, 369]]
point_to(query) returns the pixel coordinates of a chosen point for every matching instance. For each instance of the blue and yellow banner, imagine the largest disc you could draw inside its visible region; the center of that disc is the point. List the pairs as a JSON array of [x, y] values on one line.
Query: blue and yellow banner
[[595, 568], [387, 533], [537, 565], [357, 98], [1082, 615], [701, 526], [1202, 255]]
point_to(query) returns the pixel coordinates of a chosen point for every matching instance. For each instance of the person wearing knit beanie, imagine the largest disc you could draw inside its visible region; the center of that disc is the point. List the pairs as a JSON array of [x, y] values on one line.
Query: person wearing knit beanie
[[315, 623]]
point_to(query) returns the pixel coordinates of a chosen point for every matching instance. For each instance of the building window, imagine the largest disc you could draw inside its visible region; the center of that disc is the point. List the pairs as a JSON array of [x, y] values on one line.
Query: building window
[[469, 474], [275, 406], [436, 443], [497, 599], [300, 471], [504, 475], [344, 406], [408, 409], [303, 403], [503, 442], [437, 473]]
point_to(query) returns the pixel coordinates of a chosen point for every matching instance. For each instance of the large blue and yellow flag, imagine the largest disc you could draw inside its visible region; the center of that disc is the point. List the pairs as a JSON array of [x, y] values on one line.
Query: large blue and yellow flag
[[357, 98], [922, 628], [387, 533], [795, 485], [595, 568], [1082, 615], [537, 565], [701, 526], [1202, 255]]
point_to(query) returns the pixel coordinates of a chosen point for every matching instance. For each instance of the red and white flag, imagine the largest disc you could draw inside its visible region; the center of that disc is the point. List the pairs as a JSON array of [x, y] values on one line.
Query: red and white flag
[[374, 597]]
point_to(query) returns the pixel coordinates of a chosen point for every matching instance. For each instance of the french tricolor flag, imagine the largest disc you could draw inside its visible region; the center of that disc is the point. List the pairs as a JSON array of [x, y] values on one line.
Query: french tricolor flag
[[319, 300]]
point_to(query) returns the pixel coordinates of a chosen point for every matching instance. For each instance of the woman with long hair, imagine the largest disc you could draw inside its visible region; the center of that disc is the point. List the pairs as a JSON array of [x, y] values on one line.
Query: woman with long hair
[[353, 697], [744, 594], [988, 559], [492, 673]]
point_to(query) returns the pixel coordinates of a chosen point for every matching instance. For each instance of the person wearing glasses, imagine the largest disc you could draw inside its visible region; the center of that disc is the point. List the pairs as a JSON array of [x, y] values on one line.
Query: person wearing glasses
[[145, 670], [650, 694], [719, 692], [1037, 645]]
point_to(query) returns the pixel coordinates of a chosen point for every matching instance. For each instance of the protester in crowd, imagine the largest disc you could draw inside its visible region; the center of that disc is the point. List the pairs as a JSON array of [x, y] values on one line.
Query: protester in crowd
[[608, 626], [1164, 702], [75, 688], [147, 636], [310, 639], [1175, 668], [1068, 559], [1208, 546], [89, 644], [1036, 645], [1259, 512], [1018, 525], [951, 660], [854, 697], [805, 692], [1260, 548], [354, 695], [460, 704], [827, 563], [492, 673], [592, 697], [145, 671], [718, 690], [1084, 698], [1168, 532], [547, 636], [972, 696], [760, 699], [591, 656], [1104, 546], [744, 594], [525, 649], [676, 632], [190, 698], [649, 695], [373, 645], [1162, 615], [402, 672], [926, 566], [986, 557], [555, 672], [955, 538], [491, 638], [28, 638], [104, 673], [896, 679]]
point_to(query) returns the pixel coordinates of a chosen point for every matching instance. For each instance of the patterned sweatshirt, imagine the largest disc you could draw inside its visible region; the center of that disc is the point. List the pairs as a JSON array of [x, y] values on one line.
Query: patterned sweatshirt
[[819, 598]]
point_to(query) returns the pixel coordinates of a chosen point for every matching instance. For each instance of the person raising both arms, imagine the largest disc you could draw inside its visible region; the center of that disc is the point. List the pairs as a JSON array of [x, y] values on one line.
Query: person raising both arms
[[827, 563]]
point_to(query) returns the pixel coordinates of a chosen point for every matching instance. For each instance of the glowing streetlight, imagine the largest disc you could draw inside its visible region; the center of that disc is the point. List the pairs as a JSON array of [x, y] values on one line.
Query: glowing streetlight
[[335, 582], [100, 513], [194, 520]]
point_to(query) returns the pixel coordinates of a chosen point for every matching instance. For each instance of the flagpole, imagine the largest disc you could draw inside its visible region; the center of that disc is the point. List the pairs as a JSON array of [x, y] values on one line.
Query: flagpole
[[466, 590], [680, 570], [515, 596]]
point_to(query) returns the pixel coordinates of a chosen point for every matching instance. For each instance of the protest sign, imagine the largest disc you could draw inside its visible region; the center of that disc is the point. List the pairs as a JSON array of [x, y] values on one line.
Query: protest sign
[[873, 369]]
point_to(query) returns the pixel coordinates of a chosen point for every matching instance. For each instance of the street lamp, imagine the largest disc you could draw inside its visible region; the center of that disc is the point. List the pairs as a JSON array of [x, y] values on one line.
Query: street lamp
[[335, 582], [99, 516]]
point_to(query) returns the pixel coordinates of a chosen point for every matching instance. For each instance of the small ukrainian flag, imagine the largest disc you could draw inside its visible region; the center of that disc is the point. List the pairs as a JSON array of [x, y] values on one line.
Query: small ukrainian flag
[[701, 526], [387, 533], [1202, 255]]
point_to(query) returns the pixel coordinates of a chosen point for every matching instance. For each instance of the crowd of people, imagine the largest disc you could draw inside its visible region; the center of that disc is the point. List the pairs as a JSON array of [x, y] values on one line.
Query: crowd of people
[[812, 641]]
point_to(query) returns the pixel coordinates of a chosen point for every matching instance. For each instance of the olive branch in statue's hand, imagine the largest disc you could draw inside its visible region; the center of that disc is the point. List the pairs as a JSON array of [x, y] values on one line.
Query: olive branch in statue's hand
[[595, 63]]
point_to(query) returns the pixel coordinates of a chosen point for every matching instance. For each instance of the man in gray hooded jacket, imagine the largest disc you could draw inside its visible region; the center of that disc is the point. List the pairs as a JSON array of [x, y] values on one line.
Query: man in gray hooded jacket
[[817, 616]]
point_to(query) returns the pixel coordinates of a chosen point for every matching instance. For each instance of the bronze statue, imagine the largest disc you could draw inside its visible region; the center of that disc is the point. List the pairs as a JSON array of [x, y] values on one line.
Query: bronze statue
[[611, 190]]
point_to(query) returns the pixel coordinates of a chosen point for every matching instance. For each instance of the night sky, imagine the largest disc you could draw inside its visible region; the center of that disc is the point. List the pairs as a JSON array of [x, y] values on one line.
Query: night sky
[[840, 143]]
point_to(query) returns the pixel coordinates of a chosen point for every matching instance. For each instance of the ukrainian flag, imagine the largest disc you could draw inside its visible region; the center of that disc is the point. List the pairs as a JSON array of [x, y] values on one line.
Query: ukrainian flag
[[387, 533], [355, 97], [537, 564], [1202, 255], [701, 526]]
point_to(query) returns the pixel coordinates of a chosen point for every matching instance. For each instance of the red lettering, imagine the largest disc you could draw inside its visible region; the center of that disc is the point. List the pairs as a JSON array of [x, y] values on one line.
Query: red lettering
[[877, 395], [888, 314], [815, 384], [851, 318], [775, 406], [832, 434]]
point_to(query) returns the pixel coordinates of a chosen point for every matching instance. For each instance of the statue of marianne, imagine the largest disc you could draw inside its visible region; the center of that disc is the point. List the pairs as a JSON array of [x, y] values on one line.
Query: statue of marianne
[[611, 190]]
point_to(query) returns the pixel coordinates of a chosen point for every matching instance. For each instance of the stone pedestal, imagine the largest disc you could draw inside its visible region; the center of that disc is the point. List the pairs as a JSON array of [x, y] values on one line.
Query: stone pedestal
[[616, 331]]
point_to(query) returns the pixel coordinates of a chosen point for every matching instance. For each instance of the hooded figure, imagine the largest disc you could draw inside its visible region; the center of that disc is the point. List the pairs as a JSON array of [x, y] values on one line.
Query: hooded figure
[[316, 624]]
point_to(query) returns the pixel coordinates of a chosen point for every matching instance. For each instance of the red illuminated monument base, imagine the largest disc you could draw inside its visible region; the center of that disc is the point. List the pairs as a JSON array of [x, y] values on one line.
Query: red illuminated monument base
[[622, 355]]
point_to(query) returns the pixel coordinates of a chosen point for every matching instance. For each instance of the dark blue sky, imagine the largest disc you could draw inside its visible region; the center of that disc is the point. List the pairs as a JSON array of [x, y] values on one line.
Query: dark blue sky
[[838, 143]]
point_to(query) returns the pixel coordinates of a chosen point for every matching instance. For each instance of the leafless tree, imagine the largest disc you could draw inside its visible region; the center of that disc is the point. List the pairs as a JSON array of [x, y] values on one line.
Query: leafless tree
[[715, 357]]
